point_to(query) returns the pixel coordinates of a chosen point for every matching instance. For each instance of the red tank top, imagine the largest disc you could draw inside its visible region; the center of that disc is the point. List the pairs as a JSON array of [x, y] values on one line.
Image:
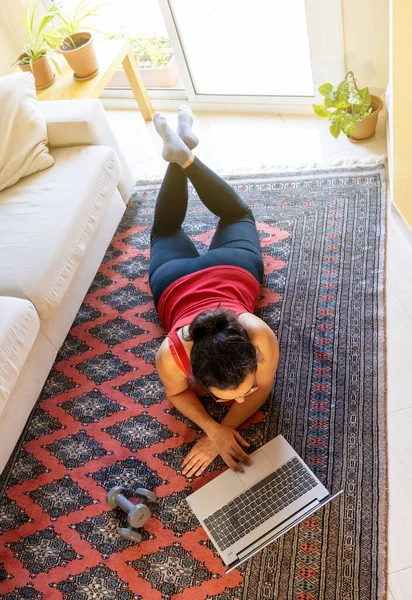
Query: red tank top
[[179, 353], [224, 285], [227, 286]]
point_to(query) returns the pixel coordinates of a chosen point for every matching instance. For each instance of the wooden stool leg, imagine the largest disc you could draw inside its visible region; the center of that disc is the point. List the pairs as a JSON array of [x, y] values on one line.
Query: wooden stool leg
[[138, 87]]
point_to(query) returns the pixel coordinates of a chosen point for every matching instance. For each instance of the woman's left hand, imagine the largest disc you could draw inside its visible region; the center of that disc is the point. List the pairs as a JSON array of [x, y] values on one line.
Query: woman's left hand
[[200, 457]]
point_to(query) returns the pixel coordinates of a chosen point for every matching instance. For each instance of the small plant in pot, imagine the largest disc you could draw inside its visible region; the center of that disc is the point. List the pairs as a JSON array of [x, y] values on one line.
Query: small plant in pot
[[35, 57], [70, 39], [355, 111]]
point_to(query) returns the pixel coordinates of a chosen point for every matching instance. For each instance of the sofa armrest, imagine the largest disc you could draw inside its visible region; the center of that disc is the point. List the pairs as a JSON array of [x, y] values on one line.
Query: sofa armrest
[[84, 123]]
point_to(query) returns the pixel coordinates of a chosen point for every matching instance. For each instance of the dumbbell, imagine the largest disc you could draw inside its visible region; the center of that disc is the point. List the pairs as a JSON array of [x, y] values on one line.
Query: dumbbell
[[137, 514]]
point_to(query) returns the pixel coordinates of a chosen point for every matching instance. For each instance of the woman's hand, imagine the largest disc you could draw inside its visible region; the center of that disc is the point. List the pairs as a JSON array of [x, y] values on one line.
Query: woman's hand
[[221, 440], [227, 442], [200, 457]]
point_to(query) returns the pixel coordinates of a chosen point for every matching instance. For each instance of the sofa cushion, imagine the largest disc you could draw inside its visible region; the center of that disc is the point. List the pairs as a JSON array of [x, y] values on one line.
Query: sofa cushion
[[23, 133], [47, 221], [19, 326]]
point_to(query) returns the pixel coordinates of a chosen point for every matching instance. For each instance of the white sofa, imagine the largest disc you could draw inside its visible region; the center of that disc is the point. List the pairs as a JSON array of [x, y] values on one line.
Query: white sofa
[[55, 227]]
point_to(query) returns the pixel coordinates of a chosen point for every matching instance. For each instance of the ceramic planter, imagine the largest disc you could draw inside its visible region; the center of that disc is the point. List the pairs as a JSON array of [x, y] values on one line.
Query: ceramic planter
[[82, 60], [367, 126], [42, 71]]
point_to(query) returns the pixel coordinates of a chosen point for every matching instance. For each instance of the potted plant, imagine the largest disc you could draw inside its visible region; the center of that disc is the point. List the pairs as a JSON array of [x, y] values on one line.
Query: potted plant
[[36, 54], [154, 57], [356, 111], [71, 40]]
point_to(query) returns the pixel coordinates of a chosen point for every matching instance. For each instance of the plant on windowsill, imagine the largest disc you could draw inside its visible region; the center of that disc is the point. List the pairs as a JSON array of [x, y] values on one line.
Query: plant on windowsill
[[36, 55], [154, 57], [70, 39], [356, 111]]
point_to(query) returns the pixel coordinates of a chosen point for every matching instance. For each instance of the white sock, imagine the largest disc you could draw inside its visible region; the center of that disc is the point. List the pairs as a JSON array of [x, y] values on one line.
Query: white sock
[[174, 148], [185, 124]]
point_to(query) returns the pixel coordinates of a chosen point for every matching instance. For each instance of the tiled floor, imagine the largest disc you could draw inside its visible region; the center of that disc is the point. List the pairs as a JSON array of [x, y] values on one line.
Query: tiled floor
[[231, 141]]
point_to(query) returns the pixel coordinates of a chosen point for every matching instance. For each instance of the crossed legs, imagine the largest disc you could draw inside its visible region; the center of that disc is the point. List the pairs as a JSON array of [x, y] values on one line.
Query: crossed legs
[[236, 239]]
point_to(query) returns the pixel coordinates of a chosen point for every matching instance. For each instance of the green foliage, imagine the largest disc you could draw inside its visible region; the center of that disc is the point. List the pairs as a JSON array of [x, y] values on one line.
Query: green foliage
[[149, 51], [350, 103], [35, 27], [72, 17]]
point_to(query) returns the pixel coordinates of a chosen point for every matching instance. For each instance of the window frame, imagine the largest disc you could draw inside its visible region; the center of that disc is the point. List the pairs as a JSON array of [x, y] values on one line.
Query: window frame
[[325, 32]]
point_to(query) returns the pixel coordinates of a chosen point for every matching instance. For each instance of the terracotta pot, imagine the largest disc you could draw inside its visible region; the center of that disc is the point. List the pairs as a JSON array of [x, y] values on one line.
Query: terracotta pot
[[42, 71], [82, 60], [366, 127]]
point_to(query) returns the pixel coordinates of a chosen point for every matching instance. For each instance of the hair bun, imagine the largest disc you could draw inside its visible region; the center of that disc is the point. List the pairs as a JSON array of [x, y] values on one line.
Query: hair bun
[[209, 323]]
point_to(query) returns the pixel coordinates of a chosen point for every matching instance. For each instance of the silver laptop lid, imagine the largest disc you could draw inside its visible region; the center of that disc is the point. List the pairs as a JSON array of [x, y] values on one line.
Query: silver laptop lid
[[230, 487], [229, 484]]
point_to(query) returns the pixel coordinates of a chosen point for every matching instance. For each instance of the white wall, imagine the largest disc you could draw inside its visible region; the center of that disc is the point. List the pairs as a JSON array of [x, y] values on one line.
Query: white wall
[[401, 134], [12, 32], [366, 39], [7, 52]]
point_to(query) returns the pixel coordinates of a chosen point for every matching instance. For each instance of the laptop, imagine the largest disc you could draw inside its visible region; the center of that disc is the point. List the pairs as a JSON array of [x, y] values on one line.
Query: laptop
[[244, 512]]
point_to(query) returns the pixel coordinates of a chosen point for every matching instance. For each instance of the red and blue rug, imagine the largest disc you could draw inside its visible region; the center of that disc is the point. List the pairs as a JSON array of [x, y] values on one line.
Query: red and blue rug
[[103, 419]]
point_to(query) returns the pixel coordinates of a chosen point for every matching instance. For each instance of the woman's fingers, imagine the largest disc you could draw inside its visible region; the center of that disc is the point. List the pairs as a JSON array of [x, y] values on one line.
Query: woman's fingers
[[241, 439], [188, 457], [237, 455], [189, 464], [199, 467], [190, 471], [240, 454], [192, 454], [203, 467], [240, 457], [230, 461], [200, 456]]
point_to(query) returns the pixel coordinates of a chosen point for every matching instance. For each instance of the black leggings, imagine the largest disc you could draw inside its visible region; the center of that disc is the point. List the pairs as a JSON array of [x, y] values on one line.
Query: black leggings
[[173, 254]]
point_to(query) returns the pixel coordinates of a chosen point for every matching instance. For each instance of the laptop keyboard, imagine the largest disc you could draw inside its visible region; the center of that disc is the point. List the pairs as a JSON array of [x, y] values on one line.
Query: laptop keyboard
[[260, 502]]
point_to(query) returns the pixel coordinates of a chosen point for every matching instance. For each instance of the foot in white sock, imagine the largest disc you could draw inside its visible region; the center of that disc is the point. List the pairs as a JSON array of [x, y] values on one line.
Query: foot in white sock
[[185, 124], [174, 148]]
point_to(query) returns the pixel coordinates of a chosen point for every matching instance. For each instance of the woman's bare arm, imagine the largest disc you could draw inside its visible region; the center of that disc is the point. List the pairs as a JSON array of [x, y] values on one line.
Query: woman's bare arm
[[179, 394], [190, 406]]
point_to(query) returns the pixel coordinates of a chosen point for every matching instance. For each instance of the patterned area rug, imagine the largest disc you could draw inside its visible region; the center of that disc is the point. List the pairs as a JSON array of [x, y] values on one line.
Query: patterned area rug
[[103, 420]]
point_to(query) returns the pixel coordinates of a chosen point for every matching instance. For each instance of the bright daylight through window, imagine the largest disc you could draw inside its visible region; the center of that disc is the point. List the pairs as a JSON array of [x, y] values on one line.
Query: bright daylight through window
[[226, 48]]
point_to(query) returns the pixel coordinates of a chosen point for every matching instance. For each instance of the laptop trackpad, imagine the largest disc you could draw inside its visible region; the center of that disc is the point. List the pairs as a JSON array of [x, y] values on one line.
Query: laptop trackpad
[[260, 467]]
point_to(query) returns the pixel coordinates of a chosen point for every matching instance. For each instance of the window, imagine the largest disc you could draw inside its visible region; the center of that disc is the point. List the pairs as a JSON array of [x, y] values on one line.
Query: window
[[229, 51]]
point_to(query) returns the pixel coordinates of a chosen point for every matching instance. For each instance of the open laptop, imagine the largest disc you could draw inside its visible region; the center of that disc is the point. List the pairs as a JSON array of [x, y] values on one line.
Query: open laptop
[[244, 512]]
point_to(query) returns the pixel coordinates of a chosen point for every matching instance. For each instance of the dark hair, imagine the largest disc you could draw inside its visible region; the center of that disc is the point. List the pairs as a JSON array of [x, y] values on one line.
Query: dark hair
[[222, 354]]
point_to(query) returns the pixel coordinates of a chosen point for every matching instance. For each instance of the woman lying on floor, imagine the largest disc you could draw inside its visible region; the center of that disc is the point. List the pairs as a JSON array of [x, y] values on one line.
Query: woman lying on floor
[[206, 303]]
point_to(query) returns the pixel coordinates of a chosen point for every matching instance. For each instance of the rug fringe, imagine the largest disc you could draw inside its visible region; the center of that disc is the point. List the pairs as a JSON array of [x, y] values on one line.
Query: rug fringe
[[353, 162]]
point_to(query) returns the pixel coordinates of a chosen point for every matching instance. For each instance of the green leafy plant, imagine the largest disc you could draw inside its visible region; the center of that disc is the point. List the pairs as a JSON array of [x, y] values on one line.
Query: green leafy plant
[[72, 18], [36, 48], [350, 103], [149, 51]]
